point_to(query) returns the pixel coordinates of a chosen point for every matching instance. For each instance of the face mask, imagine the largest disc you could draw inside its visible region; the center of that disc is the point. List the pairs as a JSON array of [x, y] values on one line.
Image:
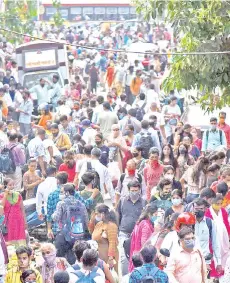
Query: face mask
[[216, 207], [131, 172], [169, 176], [50, 259], [55, 134], [62, 196], [135, 154], [2, 217], [182, 150], [30, 281], [199, 214], [153, 218], [189, 244], [98, 218], [154, 163], [134, 196], [97, 142], [176, 201], [213, 127], [165, 196], [128, 132], [120, 116]]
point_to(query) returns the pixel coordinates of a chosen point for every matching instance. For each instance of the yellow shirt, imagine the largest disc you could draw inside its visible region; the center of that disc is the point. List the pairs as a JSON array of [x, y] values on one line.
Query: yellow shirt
[[13, 275], [63, 141]]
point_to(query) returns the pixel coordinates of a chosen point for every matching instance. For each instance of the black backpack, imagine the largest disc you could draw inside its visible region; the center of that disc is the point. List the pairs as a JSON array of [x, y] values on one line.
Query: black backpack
[[146, 142], [7, 162], [221, 136], [140, 112]]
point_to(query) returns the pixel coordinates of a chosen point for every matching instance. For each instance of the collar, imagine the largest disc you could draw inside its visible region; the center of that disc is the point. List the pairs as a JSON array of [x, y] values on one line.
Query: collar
[[181, 250]]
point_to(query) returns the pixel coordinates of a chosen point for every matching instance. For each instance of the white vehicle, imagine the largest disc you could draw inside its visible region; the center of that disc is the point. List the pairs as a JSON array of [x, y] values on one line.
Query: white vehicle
[[140, 46]]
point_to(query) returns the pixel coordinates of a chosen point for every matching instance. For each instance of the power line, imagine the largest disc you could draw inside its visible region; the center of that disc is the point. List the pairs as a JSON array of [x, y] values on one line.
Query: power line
[[117, 50]]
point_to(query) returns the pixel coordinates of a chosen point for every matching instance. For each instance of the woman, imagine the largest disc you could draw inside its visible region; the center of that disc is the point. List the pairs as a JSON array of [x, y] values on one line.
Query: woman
[[184, 160], [167, 157], [142, 230], [29, 276], [15, 219], [192, 149], [87, 180], [31, 179], [129, 136], [138, 159], [196, 140], [105, 233], [220, 218], [69, 165], [110, 75], [72, 93], [117, 146], [195, 178], [177, 204], [51, 264], [45, 116], [99, 142], [169, 173]]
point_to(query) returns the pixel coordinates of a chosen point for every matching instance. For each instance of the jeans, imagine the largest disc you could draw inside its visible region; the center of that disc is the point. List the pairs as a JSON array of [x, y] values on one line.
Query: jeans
[[64, 248], [123, 259]]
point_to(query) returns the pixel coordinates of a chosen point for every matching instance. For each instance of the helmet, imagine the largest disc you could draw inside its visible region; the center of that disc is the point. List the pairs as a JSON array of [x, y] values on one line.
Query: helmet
[[186, 218]]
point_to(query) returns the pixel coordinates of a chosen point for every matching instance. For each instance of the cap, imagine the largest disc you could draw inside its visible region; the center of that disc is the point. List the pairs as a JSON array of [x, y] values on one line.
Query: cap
[[86, 122]]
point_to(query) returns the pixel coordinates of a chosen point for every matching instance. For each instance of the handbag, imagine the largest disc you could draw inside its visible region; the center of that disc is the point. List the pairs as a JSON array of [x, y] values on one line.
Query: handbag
[[4, 228]]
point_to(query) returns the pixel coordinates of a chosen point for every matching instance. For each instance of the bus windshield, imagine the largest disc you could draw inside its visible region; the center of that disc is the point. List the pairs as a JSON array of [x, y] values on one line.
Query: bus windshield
[[32, 79]]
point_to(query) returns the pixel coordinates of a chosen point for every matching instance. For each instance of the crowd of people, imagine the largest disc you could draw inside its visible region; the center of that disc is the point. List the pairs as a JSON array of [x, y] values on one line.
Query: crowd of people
[[126, 191]]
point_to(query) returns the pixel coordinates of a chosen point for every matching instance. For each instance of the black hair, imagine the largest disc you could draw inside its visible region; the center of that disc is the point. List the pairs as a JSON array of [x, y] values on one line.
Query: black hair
[[213, 167], [123, 97], [26, 274], [110, 215], [130, 127], [79, 248], [145, 124], [162, 183], [51, 170], [99, 135], [177, 192], [23, 250], [56, 77], [87, 149], [213, 119], [123, 110], [213, 157], [62, 177], [221, 155], [207, 193], [137, 260], [63, 118], [138, 148], [199, 201], [61, 277], [142, 96], [132, 112], [89, 257], [106, 105], [184, 232], [70, 188], [222, 113], [172, 159], [154, 150], [54, 126], [69, 154], [148, 253], [198, 168], [100, 99], [12, 136], [87, 178], [148, 209]]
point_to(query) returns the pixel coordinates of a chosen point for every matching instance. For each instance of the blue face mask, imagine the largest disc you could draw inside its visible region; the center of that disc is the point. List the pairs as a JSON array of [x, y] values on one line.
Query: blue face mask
[[2, 217], [153, 218]]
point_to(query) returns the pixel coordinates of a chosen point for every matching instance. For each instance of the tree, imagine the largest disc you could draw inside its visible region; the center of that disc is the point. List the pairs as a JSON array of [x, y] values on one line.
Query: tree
[[57, 18], [202, 26]]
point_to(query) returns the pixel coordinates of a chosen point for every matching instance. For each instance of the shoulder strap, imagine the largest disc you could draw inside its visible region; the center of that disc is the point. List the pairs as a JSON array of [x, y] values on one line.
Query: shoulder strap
[[139, 178], [79, 274], [151, 273], [207, 135], [209, 224], [122, 178], [89, 166], [221, 136], [76, 266], [202, 266], [143, 106]]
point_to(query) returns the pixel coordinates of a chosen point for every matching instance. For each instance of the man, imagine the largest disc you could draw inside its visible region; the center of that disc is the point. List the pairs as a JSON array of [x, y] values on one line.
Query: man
[[76, 113], [67, 127], [3, 137], [61, 140], [130, 174], [138, 159], [52, 155], [99, 142], [179, 267], [61, 277], [73, 222], [36, 150], [129, 119], [55, 93], [56, 196], [160, 131], [98, 109], [206, 234], [106, 119], [89, 133], [89, 271], [41, 92], [127, 82], [19, 160], [171, 114], [152, 97], [146, 139], [129, 209], [214, 138], [149, 271], [44, 189], [95, 165], [25, 109], [23, 263], [102, 69], [226, 128]]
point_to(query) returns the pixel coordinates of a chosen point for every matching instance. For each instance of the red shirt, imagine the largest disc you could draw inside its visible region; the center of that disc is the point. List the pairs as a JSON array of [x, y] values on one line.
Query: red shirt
[[226, 128], [198, 143], [70, 171]]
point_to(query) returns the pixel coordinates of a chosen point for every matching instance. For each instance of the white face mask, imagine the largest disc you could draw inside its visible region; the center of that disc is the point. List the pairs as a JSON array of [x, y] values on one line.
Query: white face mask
[[169, 176], [176, 201], [62, 196]]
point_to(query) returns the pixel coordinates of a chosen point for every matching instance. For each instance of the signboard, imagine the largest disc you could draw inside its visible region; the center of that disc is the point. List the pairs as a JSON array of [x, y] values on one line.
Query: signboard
[[40, 59]]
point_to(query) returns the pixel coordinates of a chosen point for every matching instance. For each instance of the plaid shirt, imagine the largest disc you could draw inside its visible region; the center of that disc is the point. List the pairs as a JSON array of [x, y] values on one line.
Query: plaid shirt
[[145, 270], [52, 202]]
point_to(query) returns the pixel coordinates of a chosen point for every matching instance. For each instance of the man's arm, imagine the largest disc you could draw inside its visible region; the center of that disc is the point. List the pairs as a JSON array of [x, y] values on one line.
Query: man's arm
[[57, 215]]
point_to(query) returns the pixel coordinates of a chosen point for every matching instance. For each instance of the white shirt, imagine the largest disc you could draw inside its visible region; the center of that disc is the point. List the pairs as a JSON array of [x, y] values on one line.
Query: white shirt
[[89, 136], [3, 140], [97, 279], [152, 96], [44, 189], [8, 99], [36, 148], [49, 143], [160, 117]]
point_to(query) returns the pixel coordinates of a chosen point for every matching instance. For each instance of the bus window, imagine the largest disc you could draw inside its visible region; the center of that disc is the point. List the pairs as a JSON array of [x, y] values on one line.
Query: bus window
[[50, 12], [75, 12], [111, 13], [98, 13], [87, 13], [123, 13], [64, 13]]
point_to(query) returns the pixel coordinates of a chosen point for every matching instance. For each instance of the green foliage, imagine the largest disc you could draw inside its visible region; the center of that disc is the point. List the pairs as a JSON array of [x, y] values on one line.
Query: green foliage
[[57, 18], [202, 26]]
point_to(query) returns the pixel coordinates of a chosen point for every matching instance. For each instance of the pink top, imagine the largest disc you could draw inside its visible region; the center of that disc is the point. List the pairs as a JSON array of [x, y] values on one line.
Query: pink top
[[198, 143], [141, 233]]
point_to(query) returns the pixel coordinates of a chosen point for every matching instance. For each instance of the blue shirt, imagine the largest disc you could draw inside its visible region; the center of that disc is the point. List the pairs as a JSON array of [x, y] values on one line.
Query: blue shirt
[[213, 139], [103, 63], [145, 270]]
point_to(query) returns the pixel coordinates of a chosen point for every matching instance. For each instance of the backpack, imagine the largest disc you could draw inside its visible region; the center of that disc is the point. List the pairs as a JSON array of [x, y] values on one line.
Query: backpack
[[140, 112], [7, 162], [89, 278], [146, 142], [149, 276], [75, 226], [221, 136], [100, 264]]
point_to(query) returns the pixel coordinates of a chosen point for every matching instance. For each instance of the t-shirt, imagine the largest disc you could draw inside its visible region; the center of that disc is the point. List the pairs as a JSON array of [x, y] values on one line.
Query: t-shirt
[[106, 119], [70, 171]]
